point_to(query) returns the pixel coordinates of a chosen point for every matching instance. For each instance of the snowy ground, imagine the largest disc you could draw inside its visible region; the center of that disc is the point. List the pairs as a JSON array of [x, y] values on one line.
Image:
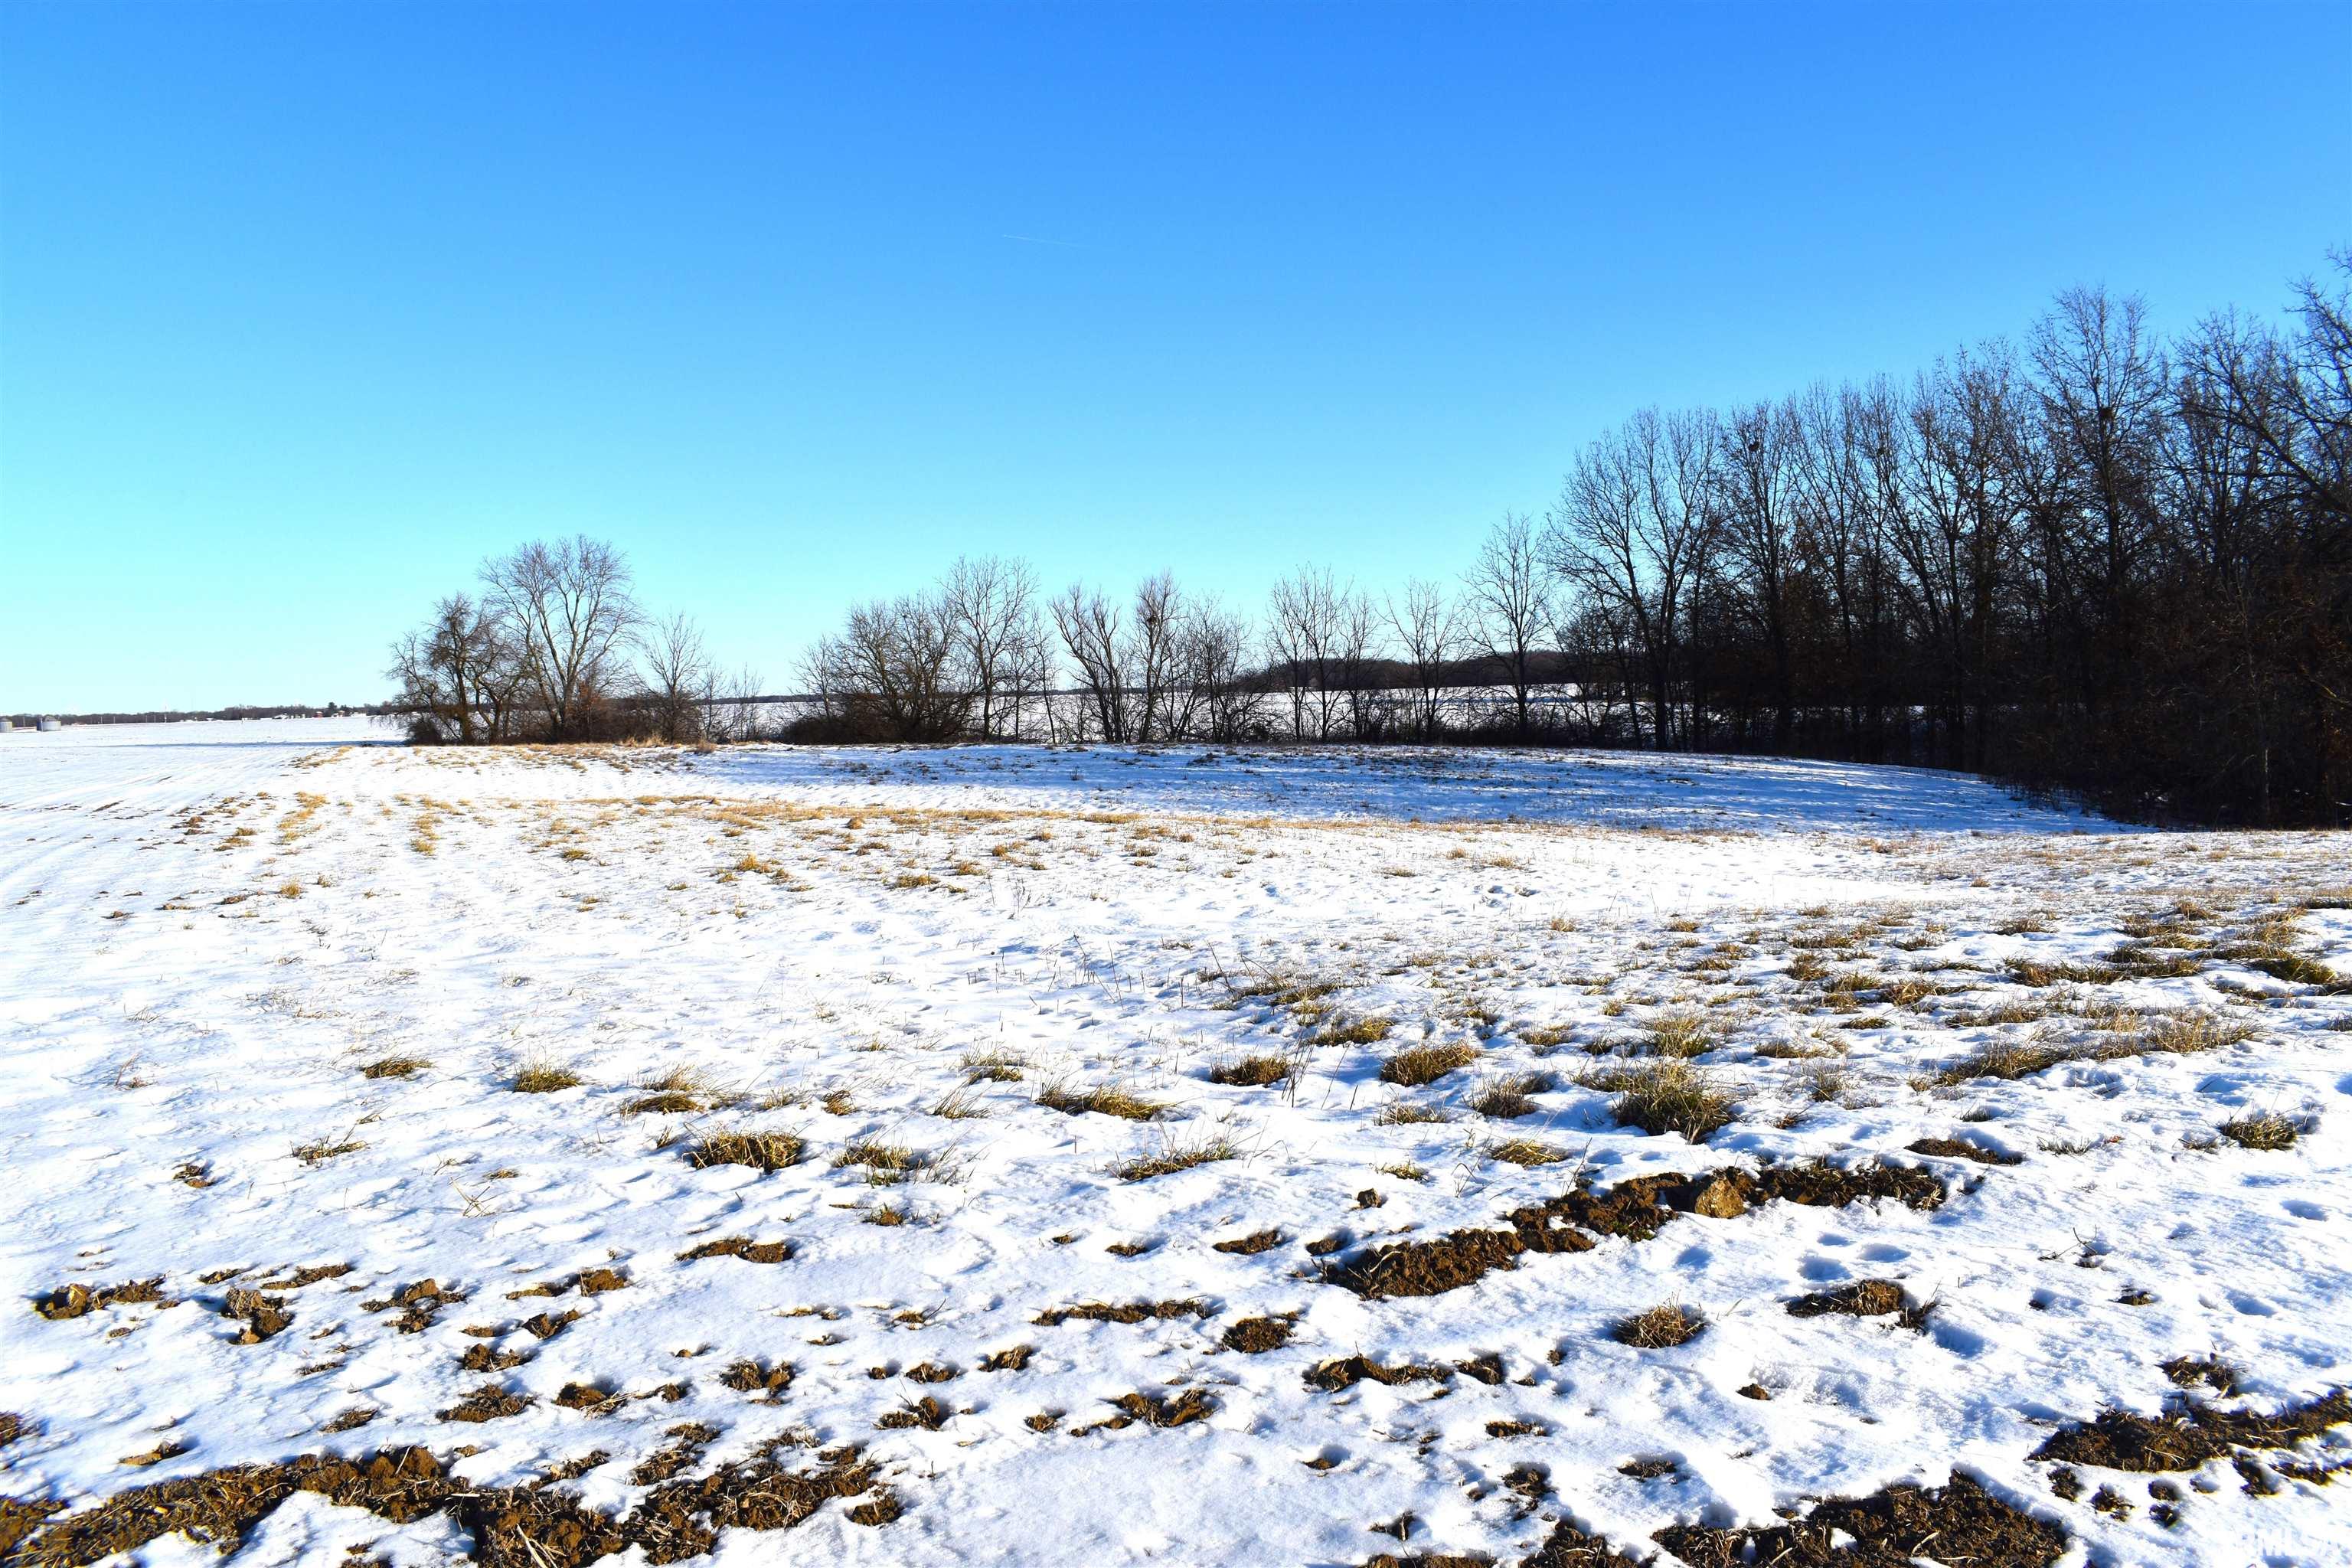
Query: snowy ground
[[207, 933]]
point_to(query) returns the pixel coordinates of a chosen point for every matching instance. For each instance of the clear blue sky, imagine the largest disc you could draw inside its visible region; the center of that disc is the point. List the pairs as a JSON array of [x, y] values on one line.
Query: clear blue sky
[[305, 308]]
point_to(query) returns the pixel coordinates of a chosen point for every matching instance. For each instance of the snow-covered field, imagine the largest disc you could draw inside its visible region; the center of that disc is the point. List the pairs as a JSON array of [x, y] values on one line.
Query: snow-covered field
[[295, 1022]]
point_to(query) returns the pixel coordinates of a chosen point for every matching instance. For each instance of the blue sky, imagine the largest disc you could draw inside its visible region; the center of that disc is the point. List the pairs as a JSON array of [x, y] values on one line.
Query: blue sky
[[306, 308]]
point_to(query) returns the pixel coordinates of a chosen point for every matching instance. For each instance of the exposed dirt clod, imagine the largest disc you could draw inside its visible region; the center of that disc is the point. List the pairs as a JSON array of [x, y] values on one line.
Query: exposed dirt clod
[[2190, 1434], [1955, 1523], [79, 1300], [742, 1246], [1124, 1313]]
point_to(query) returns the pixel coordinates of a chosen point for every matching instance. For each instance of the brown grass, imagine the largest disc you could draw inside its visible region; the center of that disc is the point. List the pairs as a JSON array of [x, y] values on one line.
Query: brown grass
[[1251, 1072], [1526, 1152], [540, 1075], [1661, 1327], [2266, 1130], [1177, 1154], [394, 1066], [1104, 1100], [1662, 1097], [761, 1151], [1353, 1032], [1418, 1065], [1681, 1034]]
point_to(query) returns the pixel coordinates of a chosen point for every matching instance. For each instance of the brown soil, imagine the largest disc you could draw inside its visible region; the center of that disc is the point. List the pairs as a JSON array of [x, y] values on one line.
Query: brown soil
[[1127, 1312], [13, 1426], [1962, 1148], [1635, 1209], [934, 1372], [1568, 1547], [589, 1399], [751, 1377], [1256, 1336], [687, 1442], [1961, 1522], [926, 1413], [512, 1527], [742, 1246], [547, 1325], [1156, 1410], [1332, 1377], [482, 1357], [2210, 1371], [79, 1300], [1012, 1359], [488, 1402], [420, 1303], [2190, 1434], [263, 1317], [1251, 1244]]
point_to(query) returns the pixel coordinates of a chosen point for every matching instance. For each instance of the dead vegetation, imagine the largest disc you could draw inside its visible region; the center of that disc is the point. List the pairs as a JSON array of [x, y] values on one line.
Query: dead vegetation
[[528, 1526], [544, 1075], [1634, 1209], [2190, 1434], [1252, 1072], [1958, 1522], [1666, 1096], [1176, 1155], [1101, 1100], [2265, 1130], [1417, 1066], [1658, 1328], [761, 1151]]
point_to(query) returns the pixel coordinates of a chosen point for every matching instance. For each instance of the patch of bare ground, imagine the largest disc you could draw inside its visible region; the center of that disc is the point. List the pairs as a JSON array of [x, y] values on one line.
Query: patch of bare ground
[[1634, 1209], [1124, 1313], [1957, 1522], [68, 1301], [1256, 1336], [1568, 1547], [1346, 1372], [1962, 1148], [2190, 1434], [742, 1246], [1864, 1299], [511, 1527], [1153, 1410], [1249, 1246]]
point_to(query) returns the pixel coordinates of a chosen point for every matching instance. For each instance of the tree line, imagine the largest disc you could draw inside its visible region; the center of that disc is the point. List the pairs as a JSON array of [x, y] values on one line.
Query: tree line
[[2094, 559]]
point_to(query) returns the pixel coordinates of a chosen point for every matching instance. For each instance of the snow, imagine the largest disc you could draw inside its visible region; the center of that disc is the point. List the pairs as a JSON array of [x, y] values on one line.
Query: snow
[[206, 930]]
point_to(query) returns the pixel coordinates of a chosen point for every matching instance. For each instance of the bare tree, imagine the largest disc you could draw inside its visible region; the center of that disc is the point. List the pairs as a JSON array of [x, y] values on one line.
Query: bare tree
[[1508, 601], [1304, 622], [890, 674], [1089, 628], [992, 603], [678, 677], [456, 674], [1157, 640], [1424, 627], [572, 614]]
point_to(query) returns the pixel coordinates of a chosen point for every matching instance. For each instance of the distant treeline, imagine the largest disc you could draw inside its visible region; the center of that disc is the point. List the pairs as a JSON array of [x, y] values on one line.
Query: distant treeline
[[2099, 561], [178, 716]]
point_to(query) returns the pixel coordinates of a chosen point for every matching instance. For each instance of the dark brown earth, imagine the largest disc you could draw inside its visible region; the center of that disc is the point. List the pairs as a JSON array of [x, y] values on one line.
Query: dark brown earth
[[512, 1527], [2186, 1436], [1964, 1522], [1635, 1209]]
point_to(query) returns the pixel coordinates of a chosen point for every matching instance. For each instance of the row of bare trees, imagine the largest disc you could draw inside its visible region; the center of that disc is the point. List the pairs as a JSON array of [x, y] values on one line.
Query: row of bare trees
[[2099, 560], [553, 645]]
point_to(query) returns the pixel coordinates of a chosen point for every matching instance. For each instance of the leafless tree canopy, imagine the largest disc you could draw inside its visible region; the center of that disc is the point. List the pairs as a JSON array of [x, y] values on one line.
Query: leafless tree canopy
[[2098, 561]]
